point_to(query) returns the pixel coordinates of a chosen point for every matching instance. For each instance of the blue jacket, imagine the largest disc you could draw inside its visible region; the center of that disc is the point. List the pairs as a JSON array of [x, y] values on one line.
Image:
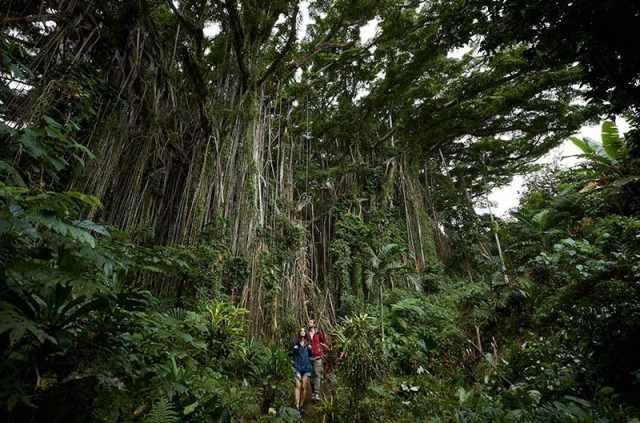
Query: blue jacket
[[301, 361]]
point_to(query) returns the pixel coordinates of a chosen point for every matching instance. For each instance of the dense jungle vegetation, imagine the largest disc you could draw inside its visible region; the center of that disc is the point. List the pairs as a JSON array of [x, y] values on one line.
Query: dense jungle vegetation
[[184, 183]]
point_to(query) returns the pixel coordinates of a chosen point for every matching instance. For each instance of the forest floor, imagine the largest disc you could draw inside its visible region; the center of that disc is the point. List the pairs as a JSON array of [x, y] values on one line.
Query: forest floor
[[312, 413]]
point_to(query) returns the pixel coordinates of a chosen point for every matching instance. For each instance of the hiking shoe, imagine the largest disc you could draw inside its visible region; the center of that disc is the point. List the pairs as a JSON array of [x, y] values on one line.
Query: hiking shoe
[[301, 409], [315, 397]]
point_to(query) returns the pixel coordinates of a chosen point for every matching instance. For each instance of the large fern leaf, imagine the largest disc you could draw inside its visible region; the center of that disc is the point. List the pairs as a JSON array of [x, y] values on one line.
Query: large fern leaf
[[162, 412], [17, 324], [92, 226]]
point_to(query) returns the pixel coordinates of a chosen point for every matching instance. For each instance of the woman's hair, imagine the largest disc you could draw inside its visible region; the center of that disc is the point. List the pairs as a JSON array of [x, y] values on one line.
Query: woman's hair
[[305, 333]]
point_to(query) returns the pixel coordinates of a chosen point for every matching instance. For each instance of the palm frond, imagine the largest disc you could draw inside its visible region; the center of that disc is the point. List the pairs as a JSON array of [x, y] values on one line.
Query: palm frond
[[612, 142], [369, 279]]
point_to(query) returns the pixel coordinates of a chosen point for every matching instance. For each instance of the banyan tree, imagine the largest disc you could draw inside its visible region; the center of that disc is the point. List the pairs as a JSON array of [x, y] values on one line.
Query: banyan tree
[[281, 133]]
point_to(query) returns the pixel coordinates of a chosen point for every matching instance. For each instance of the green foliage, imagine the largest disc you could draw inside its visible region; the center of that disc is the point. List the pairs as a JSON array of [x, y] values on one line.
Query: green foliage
[[333, 409], [410, 333], [226, 328], [574, 36], [288, 324], [161, 412], [347, 249], [426, 398], [547, 364], [58, 286], [69, 321], [576, 245], [49, 146], [360, 355], [13, 58], [385, 265], [288, 415], [270, 371], [170, 355], [293, 234], [612, 167]]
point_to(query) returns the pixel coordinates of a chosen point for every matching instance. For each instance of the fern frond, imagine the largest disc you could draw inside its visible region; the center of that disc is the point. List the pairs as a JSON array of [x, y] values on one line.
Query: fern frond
[[411, 305], [92, 226], [177, 313], [162, 412], [17, 324]]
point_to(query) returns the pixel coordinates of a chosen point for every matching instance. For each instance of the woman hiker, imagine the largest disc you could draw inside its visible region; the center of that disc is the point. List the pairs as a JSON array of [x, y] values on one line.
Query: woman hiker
[[301, 351]]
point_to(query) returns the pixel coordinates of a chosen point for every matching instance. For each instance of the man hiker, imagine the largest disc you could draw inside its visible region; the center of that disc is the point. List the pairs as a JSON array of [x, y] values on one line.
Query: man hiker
[[318, 346]]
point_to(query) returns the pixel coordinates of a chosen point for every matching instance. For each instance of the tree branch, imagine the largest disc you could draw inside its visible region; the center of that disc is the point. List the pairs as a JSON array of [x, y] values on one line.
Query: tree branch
[[383, 139], [32, 18], [238, 39], [181, 18], [292, 35], [318, 47]]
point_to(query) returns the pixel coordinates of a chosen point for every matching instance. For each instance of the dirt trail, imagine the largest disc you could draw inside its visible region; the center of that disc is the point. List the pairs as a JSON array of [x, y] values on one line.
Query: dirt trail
[[312, 411]]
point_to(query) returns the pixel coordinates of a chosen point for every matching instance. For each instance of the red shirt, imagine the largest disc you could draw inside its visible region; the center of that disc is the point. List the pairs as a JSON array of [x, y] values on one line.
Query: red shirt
[[318, 344]]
